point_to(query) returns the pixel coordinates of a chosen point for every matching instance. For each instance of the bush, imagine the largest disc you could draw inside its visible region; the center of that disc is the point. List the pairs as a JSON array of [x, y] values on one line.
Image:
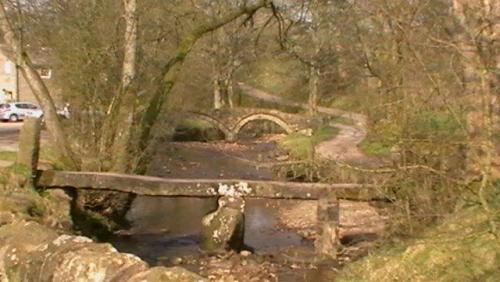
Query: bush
[[434, 124], [196, 130]]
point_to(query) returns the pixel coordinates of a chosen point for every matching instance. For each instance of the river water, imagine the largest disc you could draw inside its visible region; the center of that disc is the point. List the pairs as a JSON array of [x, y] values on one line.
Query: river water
[[166, 229]]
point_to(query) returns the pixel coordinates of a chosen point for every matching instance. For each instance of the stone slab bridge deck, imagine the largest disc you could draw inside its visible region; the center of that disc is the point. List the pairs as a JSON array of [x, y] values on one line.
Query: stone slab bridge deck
[[327, 194], [200, 188], [231, 121]]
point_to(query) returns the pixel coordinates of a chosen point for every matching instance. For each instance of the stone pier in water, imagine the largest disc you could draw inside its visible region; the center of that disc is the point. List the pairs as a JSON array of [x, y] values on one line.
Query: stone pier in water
[[224, 228]]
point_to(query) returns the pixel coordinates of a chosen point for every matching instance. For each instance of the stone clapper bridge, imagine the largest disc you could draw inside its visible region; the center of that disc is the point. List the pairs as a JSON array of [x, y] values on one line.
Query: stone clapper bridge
[[231, 121], [327, 194]]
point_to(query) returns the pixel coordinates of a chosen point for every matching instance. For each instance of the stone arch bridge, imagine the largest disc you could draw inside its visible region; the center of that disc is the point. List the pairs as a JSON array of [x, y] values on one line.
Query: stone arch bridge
[[230, 122]]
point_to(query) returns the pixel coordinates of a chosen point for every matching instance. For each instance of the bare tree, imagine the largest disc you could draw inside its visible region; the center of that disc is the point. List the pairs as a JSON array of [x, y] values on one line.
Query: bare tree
[[124, 105], [174, 65], [309, 38], [477, 42]]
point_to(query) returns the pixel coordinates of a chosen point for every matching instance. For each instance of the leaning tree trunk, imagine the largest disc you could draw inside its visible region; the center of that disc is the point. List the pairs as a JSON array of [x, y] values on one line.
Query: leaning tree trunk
[[40, 91], [174, 66]]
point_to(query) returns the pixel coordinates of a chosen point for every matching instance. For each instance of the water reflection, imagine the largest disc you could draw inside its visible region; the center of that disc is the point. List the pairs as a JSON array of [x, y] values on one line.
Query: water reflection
[[170, 227]]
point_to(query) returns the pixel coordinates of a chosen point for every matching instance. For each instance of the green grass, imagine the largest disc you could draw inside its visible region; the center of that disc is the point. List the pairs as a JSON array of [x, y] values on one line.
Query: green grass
[[50, 156], [47, 155], [377, 148], [459, 249], [8, 156], [354, 103], [298, 145], [301, 146]]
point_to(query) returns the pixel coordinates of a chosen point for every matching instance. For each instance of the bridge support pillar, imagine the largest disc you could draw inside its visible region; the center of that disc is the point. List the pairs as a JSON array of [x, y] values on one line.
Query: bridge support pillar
[[231, 137], [224, 229], [328, 220]]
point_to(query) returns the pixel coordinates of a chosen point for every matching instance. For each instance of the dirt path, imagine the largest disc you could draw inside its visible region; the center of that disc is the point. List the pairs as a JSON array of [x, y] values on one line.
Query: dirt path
[[344, 146]]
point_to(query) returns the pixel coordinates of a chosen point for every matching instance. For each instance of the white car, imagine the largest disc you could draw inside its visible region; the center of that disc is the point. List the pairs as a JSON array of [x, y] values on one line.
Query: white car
[[19, 110]]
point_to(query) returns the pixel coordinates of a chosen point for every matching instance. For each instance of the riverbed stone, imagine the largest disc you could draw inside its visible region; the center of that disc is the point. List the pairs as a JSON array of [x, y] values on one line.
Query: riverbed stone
[[164, 274], [223, 229], [245, 253], [6, 218], [32, 252]]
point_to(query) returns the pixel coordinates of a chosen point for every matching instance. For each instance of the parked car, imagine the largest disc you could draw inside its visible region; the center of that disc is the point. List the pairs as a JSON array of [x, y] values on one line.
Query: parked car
[[19, 110]]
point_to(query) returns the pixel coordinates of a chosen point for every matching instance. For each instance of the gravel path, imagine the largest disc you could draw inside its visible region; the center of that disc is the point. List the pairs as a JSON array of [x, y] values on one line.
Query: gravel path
[[344, 146]]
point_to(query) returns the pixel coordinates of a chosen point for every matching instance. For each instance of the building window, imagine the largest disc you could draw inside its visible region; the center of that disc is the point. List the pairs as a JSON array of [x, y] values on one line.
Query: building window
[[7, 67], [45, 73]]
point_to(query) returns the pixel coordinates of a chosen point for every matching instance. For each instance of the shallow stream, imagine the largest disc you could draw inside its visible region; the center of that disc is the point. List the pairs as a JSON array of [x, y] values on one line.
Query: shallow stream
[[166, 231]]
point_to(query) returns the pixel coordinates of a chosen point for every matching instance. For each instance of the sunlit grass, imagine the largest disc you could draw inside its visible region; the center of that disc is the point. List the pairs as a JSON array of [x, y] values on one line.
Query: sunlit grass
[[461, 248], [9, 156], [47, 155], [301, 146]]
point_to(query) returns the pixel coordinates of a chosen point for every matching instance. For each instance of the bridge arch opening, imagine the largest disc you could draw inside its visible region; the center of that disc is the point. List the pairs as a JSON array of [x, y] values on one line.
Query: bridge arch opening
[[266, 120]]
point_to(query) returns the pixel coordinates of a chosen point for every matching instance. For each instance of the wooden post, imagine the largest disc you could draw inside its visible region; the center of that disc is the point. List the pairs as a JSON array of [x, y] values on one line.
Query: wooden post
[[328, 220], [29, 144]]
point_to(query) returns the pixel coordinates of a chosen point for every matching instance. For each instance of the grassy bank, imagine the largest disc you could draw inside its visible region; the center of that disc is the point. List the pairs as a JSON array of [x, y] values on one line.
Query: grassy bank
[[48, 156], [301, 146], [461, 248]]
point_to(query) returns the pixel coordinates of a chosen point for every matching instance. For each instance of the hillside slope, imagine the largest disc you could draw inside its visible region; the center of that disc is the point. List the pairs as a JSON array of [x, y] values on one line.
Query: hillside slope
[[459, 249]]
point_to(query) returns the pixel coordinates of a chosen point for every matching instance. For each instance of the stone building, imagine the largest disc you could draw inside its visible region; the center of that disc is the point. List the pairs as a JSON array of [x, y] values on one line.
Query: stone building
[[13, 86]]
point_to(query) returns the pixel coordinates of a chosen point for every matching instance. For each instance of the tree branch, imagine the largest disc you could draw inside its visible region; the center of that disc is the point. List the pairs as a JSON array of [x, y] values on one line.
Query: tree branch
[[173, 67]]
